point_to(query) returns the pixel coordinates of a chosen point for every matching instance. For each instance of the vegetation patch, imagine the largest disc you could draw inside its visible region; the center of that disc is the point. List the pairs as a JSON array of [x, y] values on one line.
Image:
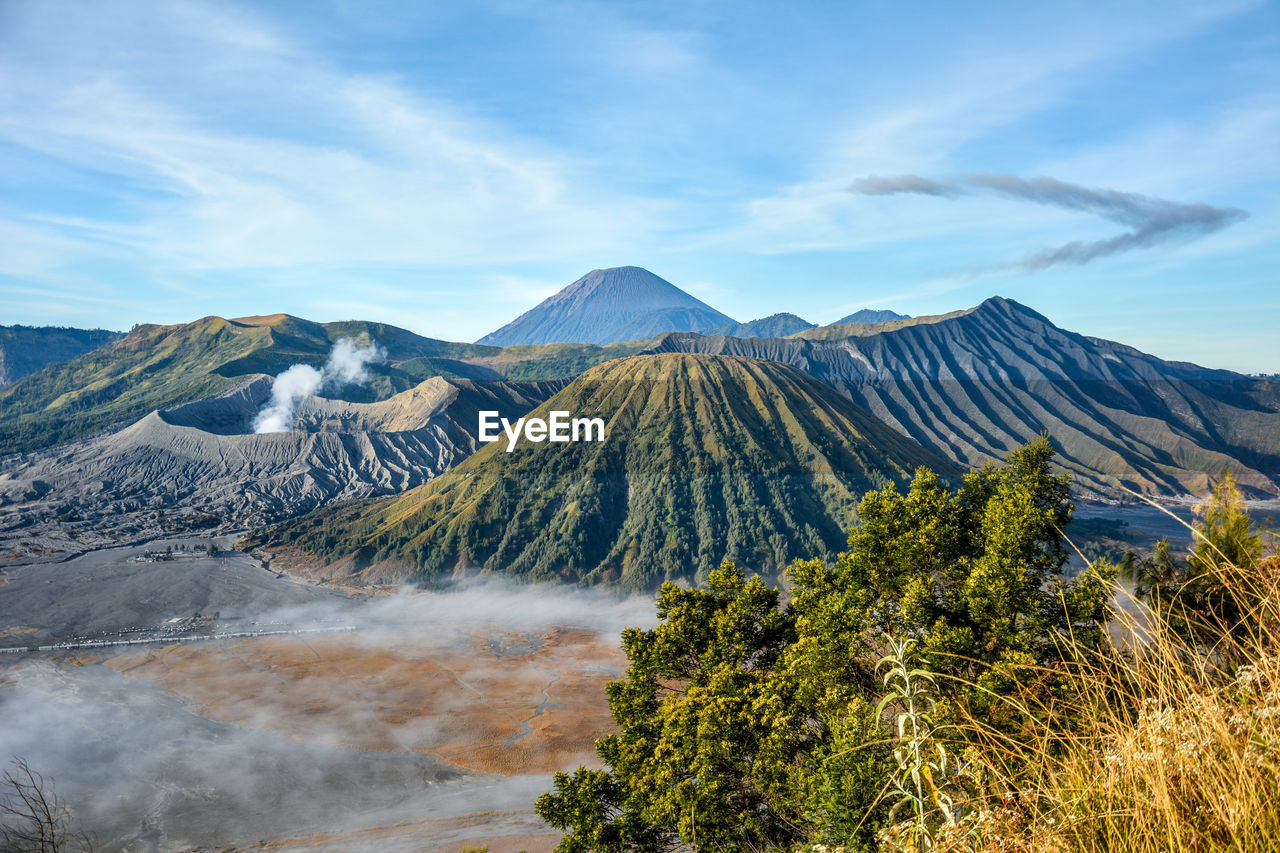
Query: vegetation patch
[[942, 687]]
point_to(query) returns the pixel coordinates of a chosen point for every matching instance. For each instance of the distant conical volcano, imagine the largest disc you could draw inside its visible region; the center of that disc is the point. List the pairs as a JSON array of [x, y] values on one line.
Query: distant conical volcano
[[870, 315], [606, 306], [705, 457]]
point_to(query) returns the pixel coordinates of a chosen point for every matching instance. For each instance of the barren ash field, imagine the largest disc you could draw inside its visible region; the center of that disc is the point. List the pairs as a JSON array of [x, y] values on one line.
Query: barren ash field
[[316, 718]]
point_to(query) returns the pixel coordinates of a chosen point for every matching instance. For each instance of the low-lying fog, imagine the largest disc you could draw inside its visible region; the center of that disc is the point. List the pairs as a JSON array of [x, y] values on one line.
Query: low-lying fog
[[437, 721]]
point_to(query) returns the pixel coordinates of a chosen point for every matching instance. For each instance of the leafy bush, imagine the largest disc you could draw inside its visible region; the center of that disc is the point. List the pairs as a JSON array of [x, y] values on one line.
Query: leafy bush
[[1011, 716], [745, 726]]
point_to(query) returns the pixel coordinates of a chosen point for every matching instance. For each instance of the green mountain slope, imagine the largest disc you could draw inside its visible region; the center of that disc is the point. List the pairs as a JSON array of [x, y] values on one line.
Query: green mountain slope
[[26, 349], [705, 458], [156, 367]]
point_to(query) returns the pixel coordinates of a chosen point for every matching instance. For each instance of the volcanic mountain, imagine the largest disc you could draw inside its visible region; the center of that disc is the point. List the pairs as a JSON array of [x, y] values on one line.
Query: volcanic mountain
[[705, 458], [972, 385], [159, 367], [201, 461], [871, 315], [607, 306], [773, 326], [969, 385]]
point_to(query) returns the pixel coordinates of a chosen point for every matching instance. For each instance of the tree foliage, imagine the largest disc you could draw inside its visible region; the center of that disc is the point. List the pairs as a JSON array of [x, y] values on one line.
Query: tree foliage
[[744, 725], [1208, 594]]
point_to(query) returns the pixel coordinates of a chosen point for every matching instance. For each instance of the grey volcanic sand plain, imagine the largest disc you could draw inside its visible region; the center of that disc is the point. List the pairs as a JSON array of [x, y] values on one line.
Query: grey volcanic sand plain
[[1144, 525], [434, 725], [101, 593]]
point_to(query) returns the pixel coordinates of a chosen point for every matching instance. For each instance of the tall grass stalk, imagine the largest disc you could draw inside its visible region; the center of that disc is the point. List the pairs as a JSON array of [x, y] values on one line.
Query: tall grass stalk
[[1169, 739]]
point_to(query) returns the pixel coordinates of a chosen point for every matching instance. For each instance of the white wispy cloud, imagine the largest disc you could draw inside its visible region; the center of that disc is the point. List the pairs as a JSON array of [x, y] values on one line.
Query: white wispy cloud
[[925, 124], [394, 161], [396, 179]]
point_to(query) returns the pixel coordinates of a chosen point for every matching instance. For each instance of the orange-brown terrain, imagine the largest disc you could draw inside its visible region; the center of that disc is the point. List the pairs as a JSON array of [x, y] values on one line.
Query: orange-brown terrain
[[534, 707], [507, 703], [376, 721]]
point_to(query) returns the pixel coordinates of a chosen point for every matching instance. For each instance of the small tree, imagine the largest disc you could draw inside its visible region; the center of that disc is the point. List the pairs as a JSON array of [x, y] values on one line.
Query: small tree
[[974, 576], [1210, 594], [746, 727], [695, 760], [32, 818]]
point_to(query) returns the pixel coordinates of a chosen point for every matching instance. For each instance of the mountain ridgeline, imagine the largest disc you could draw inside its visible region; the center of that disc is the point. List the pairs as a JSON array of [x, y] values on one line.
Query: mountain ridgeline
[[161, 367], [92, 382], [773, 326], [871, 315], [160, 417], [26, 349], [706, 457], [972, 385], [158, 367]]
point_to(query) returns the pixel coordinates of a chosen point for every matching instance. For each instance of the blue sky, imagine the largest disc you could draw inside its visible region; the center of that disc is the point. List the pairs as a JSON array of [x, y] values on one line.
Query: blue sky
[[444, 167]]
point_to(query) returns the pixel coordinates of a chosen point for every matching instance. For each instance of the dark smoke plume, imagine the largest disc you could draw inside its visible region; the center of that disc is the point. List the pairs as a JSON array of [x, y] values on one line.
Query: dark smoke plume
[[1151, 221]]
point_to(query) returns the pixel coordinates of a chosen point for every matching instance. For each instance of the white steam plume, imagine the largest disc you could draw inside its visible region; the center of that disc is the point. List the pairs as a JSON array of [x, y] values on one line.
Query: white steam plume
[[346, 365], [290, 388], [347, 361]]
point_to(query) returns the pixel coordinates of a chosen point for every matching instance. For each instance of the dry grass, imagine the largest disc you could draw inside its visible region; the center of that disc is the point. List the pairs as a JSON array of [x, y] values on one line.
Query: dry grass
[[1174, 744]]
